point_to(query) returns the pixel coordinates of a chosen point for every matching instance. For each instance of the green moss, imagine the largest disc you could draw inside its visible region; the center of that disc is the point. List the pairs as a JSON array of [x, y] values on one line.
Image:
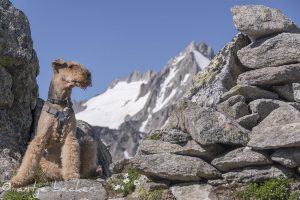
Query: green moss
[[150, 195], [126, 183], [278, 189], [156, 135]]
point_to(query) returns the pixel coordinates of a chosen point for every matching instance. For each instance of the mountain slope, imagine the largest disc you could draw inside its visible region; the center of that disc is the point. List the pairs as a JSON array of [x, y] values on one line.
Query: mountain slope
[[143, 102]]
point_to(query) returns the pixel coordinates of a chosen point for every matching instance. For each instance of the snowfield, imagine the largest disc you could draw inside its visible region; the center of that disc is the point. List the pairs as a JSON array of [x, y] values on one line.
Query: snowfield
[[110, 108]]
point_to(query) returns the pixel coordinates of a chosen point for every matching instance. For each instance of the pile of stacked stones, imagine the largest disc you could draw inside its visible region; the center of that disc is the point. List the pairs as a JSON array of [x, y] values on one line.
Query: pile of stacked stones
[[248, 127]]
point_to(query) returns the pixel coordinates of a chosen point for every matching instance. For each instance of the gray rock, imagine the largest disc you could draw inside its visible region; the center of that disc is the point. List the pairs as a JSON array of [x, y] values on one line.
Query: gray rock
[[269, 76], [280, 50], [175, 136], [239, 158], [248, 121], [10, 161], [207, 126], [191, 148], [263, 107], [257, 174], [258, 21], [151, 185], [219, 76], [6, 95], [74, 189], [249, 92], [289, 157], [280, 129], [85, 131], [290, 92], [174, 167], [193, 192], [234, 107], [18, 88]]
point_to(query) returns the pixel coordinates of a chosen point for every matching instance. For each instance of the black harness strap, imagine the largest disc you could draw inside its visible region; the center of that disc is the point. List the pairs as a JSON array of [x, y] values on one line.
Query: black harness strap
[[61, 116]]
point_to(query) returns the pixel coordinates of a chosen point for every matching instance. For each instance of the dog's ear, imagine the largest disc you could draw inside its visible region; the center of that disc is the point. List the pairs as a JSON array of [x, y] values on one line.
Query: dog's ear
[[58, 64]]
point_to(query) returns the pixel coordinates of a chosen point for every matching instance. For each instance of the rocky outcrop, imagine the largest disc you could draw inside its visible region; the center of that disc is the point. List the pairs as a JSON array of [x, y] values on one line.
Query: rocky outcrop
[[18, 88], [244, 102]]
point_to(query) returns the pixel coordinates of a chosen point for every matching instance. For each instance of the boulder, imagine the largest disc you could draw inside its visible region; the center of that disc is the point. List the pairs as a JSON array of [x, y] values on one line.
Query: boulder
[[289, 157], [220, 75], [18, 87], [249, 92], [234, 107], [248, 121], [239, 158], [263, 107], [257, 174], [207, 126], [259, 21], [193, 192], [289, 92], [85, 131], [280, 129], [191, 148], [175, 136], [174, 167], [74, 189], [270, 76], [282, 49]]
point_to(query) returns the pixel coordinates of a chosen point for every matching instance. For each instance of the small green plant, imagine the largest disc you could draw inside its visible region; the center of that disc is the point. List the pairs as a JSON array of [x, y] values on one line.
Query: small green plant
[[278, 189], [150, 195], [28, 193], [294, 196], [156, 135], [126, 183]]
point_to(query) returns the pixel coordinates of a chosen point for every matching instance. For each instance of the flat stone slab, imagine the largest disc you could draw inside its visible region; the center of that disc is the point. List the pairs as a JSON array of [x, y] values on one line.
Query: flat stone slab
[[193, 192], [174, 167], [270, 76], [191, 148], [240, 158], [249, 92], [280, 50], [74, 189], [256, 174]]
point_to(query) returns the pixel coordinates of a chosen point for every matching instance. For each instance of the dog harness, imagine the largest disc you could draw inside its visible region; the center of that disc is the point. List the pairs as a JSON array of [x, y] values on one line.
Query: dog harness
[[60, 116]]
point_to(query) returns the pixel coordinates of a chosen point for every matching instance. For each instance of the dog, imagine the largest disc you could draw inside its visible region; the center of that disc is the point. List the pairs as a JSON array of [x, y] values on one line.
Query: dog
[[55, 148]]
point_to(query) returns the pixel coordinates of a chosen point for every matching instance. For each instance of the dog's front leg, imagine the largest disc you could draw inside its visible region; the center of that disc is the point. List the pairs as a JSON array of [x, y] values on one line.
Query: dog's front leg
[[30, 162], [70, 158]]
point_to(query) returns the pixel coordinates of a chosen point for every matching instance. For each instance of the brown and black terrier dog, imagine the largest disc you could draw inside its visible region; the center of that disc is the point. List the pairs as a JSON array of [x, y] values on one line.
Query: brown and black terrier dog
[[55, 147]]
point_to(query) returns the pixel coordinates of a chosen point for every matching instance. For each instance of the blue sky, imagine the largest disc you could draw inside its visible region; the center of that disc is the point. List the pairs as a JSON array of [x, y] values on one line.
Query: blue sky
[[114, 37]]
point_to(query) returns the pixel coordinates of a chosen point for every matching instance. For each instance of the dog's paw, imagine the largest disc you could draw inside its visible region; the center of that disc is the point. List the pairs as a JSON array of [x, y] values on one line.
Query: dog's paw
[[16, 182]]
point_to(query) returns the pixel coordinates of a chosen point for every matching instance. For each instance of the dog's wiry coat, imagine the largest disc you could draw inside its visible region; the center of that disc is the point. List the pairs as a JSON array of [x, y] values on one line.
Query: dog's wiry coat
[[57, 151]]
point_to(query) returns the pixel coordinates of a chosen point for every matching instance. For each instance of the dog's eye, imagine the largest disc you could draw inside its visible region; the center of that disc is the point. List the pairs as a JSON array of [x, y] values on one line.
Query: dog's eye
[[71, 66]]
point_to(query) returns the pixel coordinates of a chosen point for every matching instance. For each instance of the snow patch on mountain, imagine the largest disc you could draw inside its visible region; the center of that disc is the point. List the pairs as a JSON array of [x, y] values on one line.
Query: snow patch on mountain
[[110, 108], [201, 60]]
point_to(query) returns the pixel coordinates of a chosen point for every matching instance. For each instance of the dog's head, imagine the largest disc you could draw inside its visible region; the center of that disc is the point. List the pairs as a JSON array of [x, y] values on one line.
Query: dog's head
[[73, 73]]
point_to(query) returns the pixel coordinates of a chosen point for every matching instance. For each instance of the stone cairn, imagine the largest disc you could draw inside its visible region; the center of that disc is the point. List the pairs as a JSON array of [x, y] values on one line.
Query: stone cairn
[[240, 121]]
